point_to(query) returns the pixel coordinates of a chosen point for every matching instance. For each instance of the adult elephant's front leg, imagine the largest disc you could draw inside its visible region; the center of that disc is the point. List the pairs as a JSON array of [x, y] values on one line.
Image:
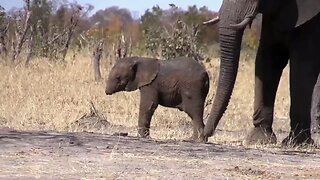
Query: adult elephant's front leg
[[148, 104], [271, 59]]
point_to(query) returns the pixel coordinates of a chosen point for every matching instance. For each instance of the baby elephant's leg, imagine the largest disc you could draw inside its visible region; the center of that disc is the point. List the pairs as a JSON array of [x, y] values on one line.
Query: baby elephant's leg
[[193, 105], [148, 104]]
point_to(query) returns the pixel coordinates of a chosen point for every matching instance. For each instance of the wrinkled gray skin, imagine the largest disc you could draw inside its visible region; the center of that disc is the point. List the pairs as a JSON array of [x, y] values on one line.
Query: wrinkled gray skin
[[315, 108], [179, 83], [290, 30]]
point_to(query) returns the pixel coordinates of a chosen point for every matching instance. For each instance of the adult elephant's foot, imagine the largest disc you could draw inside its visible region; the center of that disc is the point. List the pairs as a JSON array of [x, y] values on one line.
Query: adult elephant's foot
[[259, 135], [298, 140]]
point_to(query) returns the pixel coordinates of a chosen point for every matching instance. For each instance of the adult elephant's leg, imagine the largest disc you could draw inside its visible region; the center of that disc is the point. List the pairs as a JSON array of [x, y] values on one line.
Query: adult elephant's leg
[[271, 59], [315, 107], [302, 81], [304, 70], [269, 66]]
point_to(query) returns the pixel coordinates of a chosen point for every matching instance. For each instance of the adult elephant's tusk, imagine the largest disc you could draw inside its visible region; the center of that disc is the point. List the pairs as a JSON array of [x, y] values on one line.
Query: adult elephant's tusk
[[243, 24], [212, 21]]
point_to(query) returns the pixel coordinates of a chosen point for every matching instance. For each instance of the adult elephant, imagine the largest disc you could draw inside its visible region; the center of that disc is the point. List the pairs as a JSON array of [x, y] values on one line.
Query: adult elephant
[[290, 30], [315, 108]]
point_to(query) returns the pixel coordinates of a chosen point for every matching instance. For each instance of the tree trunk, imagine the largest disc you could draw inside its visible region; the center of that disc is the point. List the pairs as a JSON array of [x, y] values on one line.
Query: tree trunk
[[30, 47], [96, 61], [73, 24]]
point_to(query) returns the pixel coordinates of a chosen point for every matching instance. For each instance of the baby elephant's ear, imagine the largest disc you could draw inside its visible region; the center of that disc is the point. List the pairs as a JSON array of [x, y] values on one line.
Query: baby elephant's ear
[[147, 71], [132, 84]]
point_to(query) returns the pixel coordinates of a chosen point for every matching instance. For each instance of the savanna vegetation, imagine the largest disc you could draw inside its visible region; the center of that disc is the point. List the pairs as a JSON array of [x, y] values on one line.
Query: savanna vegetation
[[54, 59], [55, 56]]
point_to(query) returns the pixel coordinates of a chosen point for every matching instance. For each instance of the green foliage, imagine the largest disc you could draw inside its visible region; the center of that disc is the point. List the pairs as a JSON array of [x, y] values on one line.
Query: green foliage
[[194, 15], [151, 19], [176, 32], [152, 41], [151, 30], [40, 25], [182, 42], [41, 12], [165, 33]]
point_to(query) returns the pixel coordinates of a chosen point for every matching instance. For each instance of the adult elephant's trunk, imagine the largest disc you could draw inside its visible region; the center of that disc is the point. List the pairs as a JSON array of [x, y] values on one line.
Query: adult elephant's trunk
[[234, 17], [230, 45]]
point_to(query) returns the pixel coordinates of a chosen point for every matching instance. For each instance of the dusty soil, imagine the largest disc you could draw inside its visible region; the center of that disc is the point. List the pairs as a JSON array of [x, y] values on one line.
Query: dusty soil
[[52, 155]]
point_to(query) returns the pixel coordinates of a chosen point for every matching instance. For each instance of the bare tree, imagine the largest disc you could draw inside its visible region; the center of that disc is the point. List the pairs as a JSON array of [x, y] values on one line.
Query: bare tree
[[124, 46], [53, 45], [30, 46], [4, 26], [3, 48], [97, 54], [21, 32], [73, 24]]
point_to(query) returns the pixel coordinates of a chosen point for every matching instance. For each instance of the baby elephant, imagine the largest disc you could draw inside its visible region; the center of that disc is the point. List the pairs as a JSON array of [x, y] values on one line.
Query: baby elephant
[[180, 83]]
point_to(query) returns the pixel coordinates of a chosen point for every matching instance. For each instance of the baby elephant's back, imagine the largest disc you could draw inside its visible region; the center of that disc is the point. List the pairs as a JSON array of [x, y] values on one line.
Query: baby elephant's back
[[182, 65], [183, 71]]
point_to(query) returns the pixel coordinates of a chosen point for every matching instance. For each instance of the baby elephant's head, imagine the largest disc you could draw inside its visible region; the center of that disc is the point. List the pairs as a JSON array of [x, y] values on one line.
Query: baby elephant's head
[[121, 77]]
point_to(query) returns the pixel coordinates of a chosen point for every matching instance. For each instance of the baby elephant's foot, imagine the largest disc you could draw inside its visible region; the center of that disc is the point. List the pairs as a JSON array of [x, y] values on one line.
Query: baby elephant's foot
[[144, 132]]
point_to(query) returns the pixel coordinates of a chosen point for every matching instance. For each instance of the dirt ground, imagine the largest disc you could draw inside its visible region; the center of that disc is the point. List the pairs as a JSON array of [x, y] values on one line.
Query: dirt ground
[[52, 155]]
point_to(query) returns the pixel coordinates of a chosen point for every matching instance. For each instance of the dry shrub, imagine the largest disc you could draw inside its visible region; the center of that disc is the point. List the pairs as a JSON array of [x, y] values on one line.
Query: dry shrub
[[91, 121], [54, 96]]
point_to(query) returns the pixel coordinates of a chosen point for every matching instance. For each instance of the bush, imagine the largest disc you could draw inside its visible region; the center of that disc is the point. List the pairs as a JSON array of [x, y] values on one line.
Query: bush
[[182, 41]]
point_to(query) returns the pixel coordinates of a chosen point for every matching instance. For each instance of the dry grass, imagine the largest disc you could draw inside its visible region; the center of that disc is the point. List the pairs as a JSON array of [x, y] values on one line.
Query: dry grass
[[47, 96], [53, 96]]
